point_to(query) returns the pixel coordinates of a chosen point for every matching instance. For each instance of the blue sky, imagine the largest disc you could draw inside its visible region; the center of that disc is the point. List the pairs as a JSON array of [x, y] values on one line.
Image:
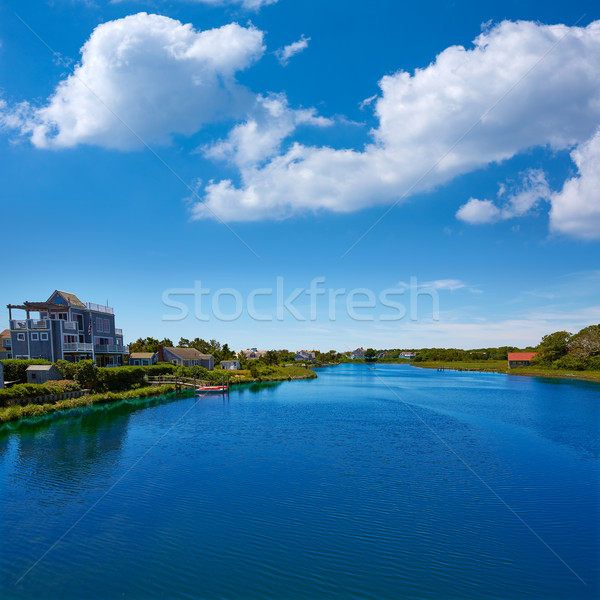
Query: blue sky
[[451, 147]]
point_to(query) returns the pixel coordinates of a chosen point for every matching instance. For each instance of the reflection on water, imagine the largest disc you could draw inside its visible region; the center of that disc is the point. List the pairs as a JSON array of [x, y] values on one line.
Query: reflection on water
[[360, 484]]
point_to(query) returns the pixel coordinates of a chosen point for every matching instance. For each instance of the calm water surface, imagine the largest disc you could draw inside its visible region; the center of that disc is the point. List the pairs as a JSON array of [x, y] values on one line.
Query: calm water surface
[[392, 482]]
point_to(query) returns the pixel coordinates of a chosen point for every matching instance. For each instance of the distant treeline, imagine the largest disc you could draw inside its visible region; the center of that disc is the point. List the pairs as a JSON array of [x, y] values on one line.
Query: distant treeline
[[455, 354]]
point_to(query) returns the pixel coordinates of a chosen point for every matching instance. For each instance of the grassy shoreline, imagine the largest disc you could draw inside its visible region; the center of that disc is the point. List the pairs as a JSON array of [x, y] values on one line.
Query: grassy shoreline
[[500, 366], [16, 412]]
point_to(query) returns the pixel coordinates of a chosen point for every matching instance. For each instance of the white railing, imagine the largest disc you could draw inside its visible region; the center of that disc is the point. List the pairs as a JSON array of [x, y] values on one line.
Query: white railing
[[110, 348], [78, 347], [39, 324], [18, 324], [118, 331], [70, 325], [99, 308]]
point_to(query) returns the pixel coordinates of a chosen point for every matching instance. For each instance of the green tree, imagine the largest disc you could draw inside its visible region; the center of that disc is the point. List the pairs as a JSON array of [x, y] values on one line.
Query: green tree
[[586, 343], [370, 354], [553, 346]]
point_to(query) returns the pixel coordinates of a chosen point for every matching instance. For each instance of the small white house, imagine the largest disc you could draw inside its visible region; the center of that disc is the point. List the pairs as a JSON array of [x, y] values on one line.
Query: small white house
[[231, 365]]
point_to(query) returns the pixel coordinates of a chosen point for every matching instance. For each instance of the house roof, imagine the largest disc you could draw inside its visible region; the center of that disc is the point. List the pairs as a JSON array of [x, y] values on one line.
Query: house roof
[[5, 334], [230, 361], [521, 355], [41, 367], [72, 299], [142, 354], [187, 353]]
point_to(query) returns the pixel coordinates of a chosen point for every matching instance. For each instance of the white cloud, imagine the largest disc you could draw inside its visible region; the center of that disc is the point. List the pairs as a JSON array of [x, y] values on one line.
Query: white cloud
[[284, 54], [260, 136], [542, 84], [478, 212], [518, 203], [152, 73], [576, 208]]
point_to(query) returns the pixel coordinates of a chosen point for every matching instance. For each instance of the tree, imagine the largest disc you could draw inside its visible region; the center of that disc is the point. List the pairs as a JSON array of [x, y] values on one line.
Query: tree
[[553, 346], [370, 354], [586, 343]]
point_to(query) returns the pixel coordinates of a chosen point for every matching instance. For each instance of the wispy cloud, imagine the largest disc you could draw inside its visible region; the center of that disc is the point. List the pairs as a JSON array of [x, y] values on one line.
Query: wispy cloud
[[284, 54]]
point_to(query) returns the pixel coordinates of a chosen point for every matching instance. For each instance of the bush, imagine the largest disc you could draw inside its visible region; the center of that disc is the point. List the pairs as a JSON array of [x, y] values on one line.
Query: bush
[[159, 369], [570, 362], [34, 390], [67, 369], [15, 369], [119, 378]]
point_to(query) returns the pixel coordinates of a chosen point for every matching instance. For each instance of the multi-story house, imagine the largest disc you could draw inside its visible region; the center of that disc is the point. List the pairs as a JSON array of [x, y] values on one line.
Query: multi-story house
[[67, 329], [5, 344]]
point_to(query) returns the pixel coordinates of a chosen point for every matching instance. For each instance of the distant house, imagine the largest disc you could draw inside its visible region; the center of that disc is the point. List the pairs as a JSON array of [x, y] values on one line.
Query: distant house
[[382, 355], [231, 365], [188, 357], [143, 359], [305, 355], [43, 373], [520, 359], [5, 344], [407, 354], [253, 353], [358, 353]]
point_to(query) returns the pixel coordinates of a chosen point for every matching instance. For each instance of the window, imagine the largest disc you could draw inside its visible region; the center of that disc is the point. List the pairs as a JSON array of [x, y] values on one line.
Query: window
[[21, 337], [99, 324], [44, 337], [106, 326], [118, 341], [35, 337], [79, 319], [62, 316]]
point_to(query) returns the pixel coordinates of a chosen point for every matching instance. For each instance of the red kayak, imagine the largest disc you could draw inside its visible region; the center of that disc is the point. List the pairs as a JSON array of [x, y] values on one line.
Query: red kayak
[[211, 389]]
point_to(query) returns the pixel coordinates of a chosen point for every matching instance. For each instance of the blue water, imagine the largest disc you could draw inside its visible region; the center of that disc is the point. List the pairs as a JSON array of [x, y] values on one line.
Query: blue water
[[384, 483]]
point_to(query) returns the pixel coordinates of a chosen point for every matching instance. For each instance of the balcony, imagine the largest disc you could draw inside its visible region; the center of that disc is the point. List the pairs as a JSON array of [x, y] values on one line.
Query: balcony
[[110, 349], [78, 347], [39, 324], [118, 331], [99, 308], [18, 325]]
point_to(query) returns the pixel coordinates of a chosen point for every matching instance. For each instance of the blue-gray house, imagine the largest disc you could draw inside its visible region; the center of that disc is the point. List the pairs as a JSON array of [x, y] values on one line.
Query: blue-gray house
[[67, 329]]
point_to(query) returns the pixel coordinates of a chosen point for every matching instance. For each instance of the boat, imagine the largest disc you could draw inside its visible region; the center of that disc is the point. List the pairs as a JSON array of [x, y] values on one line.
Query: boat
[[212, 389]]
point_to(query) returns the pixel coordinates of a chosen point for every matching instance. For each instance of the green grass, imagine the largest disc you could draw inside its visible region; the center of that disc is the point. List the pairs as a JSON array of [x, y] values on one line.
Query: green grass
[[501, 366], [16, 412], [271, 373]]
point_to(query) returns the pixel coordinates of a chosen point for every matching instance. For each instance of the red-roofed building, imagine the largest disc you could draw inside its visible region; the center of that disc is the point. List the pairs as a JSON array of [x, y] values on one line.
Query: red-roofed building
[[520, 359]]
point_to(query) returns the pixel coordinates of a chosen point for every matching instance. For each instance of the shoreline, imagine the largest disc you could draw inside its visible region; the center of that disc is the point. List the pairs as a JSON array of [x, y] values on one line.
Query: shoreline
[[569, 375]]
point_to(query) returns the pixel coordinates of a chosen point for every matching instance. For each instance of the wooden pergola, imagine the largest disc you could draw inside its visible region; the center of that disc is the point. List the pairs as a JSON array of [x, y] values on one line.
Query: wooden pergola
[[30, 307]]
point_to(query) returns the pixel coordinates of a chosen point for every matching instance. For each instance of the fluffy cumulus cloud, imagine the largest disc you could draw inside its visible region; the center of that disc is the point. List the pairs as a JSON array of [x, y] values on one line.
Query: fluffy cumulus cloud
[[521, 85], [284, 54], [147, 74], [520, 201], [576, 208], [259, 138]]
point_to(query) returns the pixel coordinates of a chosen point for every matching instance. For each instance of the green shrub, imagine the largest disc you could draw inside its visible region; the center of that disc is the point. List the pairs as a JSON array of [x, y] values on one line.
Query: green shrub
[[15, 369], [159, 369], [570, 362], [34, 390], [67, 369], [119, 378]]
